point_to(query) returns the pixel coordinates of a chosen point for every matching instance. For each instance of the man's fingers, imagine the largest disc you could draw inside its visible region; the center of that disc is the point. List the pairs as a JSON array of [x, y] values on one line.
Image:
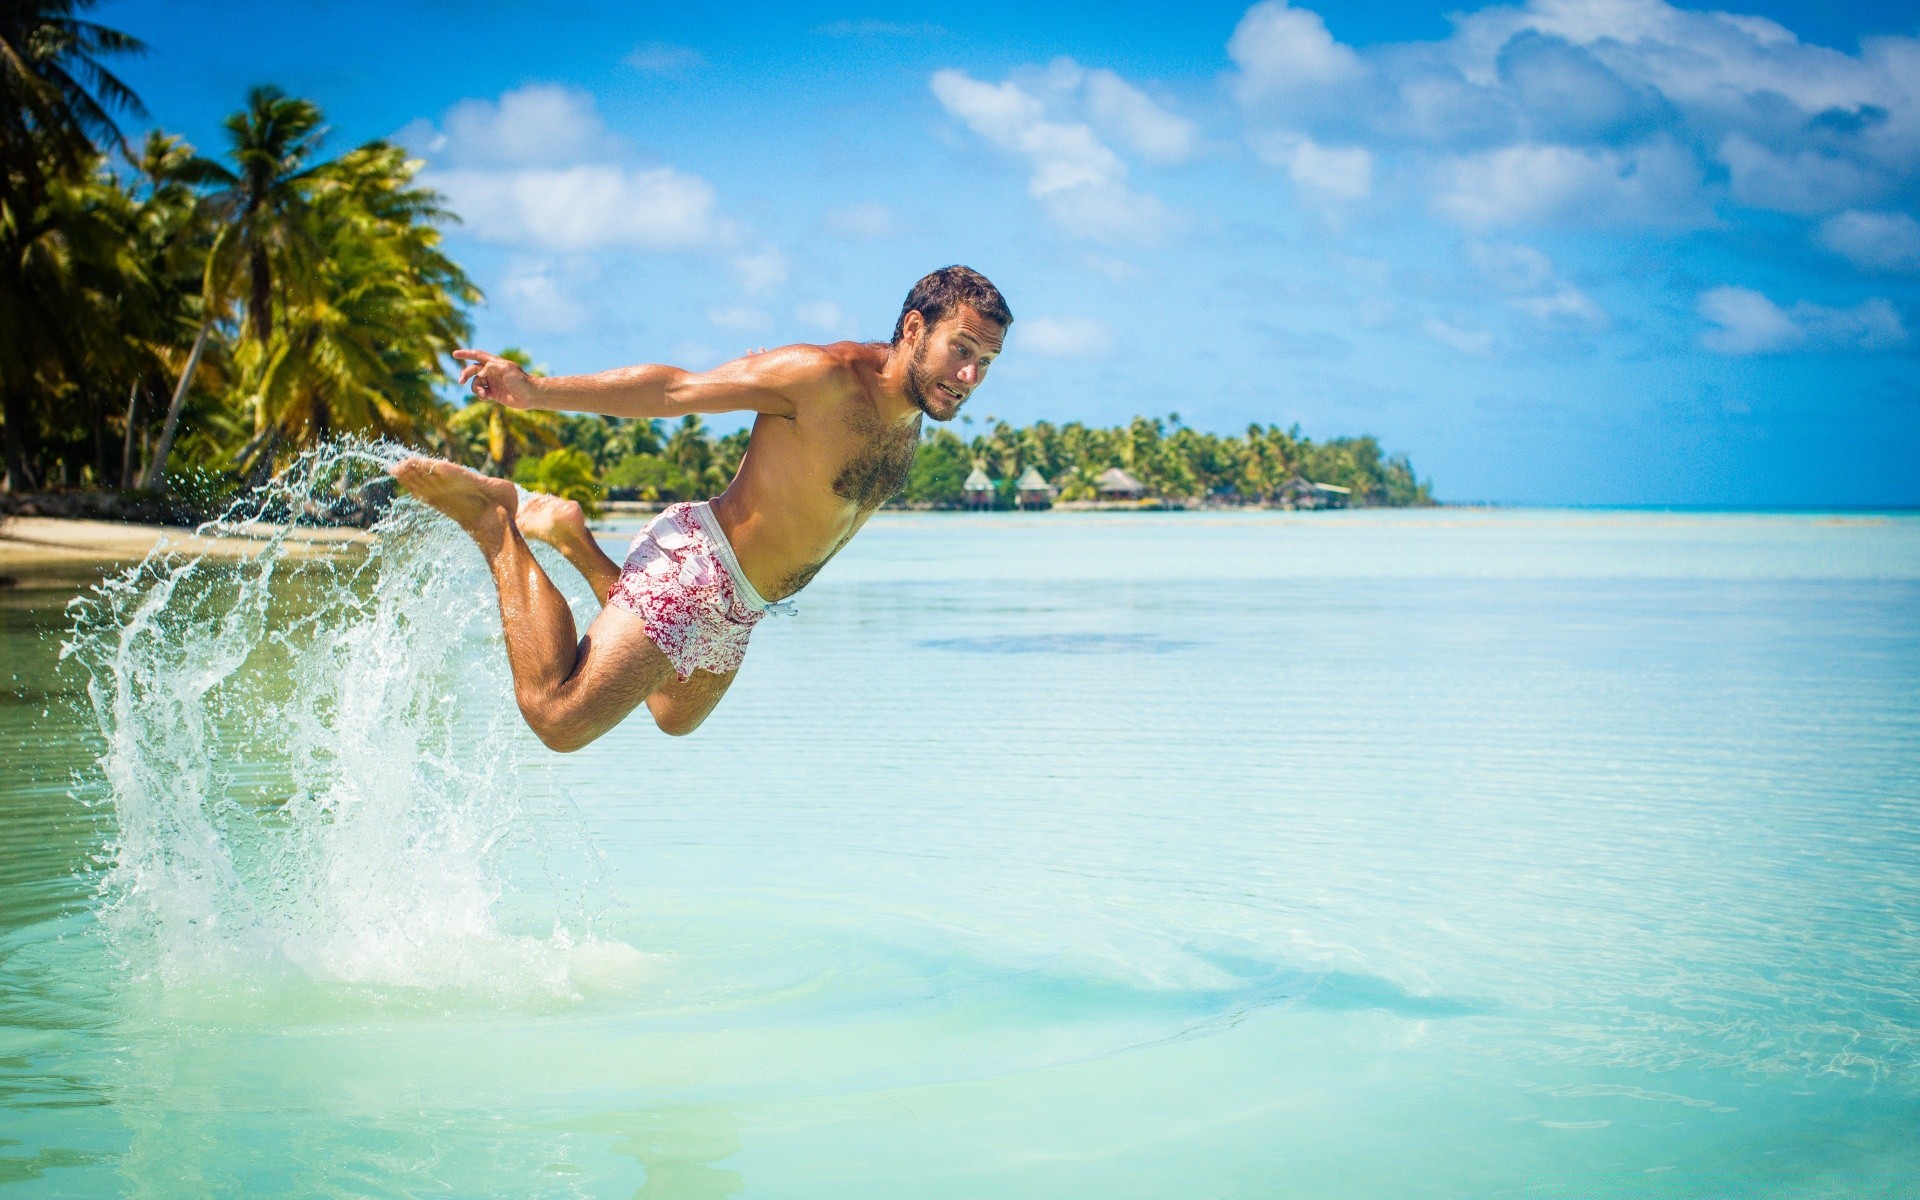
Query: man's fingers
[[472, 356], [468, 372]]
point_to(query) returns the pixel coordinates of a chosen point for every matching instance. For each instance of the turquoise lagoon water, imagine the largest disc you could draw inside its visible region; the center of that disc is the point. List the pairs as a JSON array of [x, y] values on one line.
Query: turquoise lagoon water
[[1445, 853]]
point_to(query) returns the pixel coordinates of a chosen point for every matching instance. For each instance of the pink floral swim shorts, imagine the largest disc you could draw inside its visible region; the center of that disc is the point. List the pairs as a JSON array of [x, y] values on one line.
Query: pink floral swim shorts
[[681, 579]]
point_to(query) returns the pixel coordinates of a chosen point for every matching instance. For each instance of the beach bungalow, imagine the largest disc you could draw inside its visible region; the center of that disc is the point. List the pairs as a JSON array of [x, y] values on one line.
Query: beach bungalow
[[1034, 490], [1304, 493], [1115, 484], [977, 491]]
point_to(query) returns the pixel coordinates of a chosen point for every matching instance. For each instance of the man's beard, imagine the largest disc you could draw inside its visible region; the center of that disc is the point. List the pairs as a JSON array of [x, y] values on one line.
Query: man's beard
[[917, 383]]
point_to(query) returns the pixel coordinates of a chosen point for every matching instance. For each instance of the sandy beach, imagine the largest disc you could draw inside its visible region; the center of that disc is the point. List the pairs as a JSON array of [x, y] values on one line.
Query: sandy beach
[[38, 552]]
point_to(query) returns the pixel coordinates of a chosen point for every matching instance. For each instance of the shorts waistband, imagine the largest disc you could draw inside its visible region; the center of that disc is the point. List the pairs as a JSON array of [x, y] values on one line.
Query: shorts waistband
[[749, 595]]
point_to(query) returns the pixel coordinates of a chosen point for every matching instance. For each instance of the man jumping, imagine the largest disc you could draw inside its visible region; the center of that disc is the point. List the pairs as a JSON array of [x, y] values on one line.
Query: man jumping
[[834, 439]]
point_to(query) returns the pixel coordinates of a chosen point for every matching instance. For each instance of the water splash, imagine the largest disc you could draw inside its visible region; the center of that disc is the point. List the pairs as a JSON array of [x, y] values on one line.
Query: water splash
[[313, 761]]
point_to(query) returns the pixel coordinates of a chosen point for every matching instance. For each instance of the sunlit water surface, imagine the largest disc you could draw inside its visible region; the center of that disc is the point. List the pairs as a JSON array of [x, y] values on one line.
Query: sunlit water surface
[[1452, 853]]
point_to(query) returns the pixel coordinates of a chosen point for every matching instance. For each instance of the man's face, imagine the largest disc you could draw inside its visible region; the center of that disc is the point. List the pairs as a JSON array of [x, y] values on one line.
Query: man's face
[[951, 361]]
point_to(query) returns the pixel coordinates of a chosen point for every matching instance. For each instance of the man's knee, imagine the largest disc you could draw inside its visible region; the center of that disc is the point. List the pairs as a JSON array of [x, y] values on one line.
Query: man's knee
[[557, 730], [679, 724]]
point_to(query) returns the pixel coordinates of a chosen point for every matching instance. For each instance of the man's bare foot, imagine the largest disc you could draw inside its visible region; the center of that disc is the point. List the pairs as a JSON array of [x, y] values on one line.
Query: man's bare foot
[[552, 519], [479, 504]]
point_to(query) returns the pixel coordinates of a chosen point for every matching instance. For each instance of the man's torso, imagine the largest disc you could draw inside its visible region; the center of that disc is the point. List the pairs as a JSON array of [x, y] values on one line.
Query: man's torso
[[811, 481]]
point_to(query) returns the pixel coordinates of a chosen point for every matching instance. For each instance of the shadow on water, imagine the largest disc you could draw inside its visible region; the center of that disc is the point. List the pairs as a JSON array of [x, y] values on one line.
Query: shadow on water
[[1337, 991], [677, 1147]]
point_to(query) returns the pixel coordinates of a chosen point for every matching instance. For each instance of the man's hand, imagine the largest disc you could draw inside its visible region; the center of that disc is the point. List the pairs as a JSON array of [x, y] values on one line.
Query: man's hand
[[496, 378]]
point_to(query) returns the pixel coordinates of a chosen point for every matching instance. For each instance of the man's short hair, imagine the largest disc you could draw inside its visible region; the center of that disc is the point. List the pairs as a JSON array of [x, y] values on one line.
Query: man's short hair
[[944, 290]]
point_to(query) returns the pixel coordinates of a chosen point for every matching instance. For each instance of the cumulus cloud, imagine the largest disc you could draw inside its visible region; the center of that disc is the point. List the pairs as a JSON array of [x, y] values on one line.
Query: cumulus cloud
[[1327, 174], [538, 169], [1657, 183], [1281, 49], [1135, 119], [540, 125], [1878, 241], [547, 296], [761, 271], [1080, 180], [1533, 288], [1624, 111], [1062, 337], [585, 207], [1807, 182], [1747, 322]]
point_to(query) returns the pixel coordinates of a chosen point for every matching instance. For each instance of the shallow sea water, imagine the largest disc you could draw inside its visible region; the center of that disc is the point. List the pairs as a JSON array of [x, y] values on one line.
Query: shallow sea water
[[1442, 853]]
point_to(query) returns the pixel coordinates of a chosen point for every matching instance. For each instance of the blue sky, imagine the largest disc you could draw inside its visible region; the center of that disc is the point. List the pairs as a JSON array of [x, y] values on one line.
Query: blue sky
[[1578, 251]]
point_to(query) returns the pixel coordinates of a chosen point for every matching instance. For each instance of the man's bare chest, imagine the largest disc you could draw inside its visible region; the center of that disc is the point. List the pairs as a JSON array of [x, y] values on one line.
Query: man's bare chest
[[876, 462]]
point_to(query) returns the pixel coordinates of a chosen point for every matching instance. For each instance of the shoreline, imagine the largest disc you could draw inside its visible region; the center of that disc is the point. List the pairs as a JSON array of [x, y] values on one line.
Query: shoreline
[[52, 552]]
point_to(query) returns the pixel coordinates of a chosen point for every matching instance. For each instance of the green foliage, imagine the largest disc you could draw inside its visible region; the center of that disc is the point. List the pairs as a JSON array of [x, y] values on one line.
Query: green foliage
[[1175, 462], [317, 288], [940, 469], [651, 477], [565, 472]]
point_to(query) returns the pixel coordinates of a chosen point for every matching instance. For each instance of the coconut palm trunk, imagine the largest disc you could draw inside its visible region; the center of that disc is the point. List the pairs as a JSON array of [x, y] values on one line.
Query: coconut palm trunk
[[157, 469], [126, 445]]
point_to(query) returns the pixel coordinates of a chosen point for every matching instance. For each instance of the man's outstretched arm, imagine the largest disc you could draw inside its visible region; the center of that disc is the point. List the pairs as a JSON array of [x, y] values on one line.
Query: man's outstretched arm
[[770, 382]]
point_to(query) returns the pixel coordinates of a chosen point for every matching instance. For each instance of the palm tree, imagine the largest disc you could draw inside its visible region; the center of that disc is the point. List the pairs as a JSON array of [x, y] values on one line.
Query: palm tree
[[56, 101], [55, 94], [263, 235], [173, 235], [361, 352]]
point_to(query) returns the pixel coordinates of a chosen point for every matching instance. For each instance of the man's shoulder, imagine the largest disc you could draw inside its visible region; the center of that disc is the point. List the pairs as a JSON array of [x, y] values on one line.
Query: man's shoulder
[[838, 367]]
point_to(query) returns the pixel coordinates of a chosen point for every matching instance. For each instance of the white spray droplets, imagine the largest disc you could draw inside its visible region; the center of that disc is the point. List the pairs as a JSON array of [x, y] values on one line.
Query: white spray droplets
[[315, 764]]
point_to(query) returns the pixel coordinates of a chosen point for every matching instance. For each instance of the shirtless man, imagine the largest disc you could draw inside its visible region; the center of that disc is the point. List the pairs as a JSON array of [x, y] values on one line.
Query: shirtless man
[[834, 439]]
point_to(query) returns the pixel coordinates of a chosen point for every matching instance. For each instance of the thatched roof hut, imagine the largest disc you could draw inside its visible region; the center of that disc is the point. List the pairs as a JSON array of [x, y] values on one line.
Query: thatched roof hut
[[1116, 484], [978, 490], [1304, 493], [1034, 490]]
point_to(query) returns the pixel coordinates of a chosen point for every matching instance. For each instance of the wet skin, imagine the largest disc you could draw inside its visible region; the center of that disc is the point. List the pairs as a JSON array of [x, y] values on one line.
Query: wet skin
[[833, 438]]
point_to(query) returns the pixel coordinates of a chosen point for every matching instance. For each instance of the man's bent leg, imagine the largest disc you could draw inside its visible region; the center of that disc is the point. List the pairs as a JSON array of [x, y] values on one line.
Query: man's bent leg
[[561, 524], [678, 707], [570, 691]]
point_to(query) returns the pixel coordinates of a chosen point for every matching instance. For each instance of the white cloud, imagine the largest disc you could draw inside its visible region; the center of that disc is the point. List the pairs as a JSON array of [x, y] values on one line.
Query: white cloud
[[1564, 305], [1534, 288], [1804, 181], [1655, 183], [1467, 341], [541, 125], [1747, 322], [661, 58], [545, 296], [863, 222], [1075, 176], [824, 316], [1878, 241], [1281, 49], [585, 207], [538, 169], [1124, 111], [1575, 90], [1062, 337], [1327, 174], [761, 271]]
